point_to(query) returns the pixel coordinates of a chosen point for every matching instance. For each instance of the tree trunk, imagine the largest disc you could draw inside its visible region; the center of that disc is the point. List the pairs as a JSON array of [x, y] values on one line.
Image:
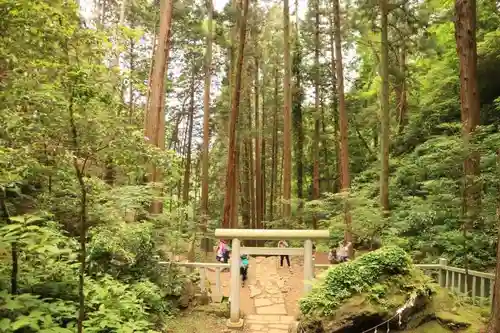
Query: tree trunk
[[274, 158], [316, 139], [154, 124], [205, 213], [494, 324], [297, 116], [287, 117], [187, 167], [258, 158], [249, 160], [245, 188], [384, 73], [336, 184], [235, 103], [466, 46], [344, 144], [403, 100]]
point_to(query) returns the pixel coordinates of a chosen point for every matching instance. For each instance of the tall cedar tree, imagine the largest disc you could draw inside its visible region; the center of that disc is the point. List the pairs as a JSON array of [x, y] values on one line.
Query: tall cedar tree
[[287, 116], [384, 117], [206, 126], [235, 103], [345, 181], [154, 122]]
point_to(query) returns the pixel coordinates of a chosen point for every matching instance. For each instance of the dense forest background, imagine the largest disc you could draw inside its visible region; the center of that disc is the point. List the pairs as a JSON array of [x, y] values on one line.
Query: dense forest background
[[131, 129]]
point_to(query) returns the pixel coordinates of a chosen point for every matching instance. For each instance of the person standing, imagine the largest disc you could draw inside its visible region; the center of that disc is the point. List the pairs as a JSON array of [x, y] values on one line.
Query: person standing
[[244, 268], [283, 244], [332, 255]]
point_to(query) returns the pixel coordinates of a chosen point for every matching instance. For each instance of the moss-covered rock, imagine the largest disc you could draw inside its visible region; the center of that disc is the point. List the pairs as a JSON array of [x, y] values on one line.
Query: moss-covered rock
[[381, 286]]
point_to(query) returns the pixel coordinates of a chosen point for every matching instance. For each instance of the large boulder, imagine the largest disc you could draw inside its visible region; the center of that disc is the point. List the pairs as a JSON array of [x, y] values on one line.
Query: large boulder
[[380, 287]]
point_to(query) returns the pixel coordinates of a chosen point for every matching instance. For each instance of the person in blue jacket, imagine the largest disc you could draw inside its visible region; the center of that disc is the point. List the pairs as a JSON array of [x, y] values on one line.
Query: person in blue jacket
[[244, 268]]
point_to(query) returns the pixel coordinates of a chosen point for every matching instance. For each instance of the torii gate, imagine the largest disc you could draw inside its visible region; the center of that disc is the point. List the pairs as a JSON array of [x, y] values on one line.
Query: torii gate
[[237, 235]]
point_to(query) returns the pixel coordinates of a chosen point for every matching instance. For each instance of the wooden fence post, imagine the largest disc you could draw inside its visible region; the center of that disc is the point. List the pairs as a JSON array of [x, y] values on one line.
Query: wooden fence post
[[442, 271]]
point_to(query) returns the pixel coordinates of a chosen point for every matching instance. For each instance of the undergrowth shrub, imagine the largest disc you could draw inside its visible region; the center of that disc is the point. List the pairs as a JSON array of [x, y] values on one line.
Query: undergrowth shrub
[[345, 280], [126, 289]]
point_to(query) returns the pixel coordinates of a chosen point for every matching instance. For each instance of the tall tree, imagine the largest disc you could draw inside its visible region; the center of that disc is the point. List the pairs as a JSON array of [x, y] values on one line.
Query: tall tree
[[297, 110], [187, 165], [206, 124], [317, 112], [384, 112], [287, 116], [345, 181], [154, 122], [466, 46], [235, 105]]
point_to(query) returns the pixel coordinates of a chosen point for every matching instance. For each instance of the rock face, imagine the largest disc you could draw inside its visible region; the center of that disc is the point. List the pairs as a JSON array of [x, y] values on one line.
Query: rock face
[[382, 290]]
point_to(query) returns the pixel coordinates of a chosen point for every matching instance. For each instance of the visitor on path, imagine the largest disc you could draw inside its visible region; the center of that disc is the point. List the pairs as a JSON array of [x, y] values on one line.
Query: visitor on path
[[314, 251], [283, 244], [219, 252], [332, 255], [343, 251], [244, 268]]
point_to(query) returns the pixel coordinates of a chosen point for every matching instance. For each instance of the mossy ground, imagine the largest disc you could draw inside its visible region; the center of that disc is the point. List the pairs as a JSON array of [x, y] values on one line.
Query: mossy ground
[[195, 322]]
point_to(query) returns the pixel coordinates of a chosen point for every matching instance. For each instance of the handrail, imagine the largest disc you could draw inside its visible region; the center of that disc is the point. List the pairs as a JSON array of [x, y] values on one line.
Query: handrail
[[202, 267], [453, 278]]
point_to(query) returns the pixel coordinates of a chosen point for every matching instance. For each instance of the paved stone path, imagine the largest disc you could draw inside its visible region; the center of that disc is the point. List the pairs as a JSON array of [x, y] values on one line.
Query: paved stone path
[[267, 290]]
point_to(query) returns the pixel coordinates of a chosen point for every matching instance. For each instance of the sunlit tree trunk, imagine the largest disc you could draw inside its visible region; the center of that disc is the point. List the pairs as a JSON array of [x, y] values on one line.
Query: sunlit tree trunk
[[206, 127], [154, 124], [287, 117], [235, 104]]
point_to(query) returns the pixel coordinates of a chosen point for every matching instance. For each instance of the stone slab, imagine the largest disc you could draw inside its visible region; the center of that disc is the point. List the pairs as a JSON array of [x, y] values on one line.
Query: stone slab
[[262, 302], [275, 309]]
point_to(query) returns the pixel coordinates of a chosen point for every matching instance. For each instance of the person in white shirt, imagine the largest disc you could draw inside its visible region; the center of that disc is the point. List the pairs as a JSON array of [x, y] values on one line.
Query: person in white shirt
[[283, 244]]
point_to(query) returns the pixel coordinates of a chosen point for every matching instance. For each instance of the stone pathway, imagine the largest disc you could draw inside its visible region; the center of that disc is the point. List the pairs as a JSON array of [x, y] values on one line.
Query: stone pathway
[[267, 290]]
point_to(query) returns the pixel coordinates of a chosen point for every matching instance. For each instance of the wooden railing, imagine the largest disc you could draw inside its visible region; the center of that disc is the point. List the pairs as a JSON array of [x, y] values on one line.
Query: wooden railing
[[477, 285], [202, 268]]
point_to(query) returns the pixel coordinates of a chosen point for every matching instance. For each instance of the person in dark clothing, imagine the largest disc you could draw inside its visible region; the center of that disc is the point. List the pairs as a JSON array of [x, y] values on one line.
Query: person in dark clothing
[[244, 268], [284, 244]]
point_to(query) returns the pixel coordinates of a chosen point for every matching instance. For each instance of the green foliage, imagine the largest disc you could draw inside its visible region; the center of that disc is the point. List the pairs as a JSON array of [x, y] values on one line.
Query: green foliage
[[342, 281]]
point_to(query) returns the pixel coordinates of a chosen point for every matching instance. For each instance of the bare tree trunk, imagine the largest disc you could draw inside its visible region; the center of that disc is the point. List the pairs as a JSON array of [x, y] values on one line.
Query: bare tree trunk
[[287, 116], [235, 103], [316, 139], [336, 184], [297, 113], [344, 144], [206, 128], [466, 46], [258, 146], [245, 188], [154, 125], [187, 167], [385, 126], [494, 324], [274, 158], [249, 162], [403, 101]]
